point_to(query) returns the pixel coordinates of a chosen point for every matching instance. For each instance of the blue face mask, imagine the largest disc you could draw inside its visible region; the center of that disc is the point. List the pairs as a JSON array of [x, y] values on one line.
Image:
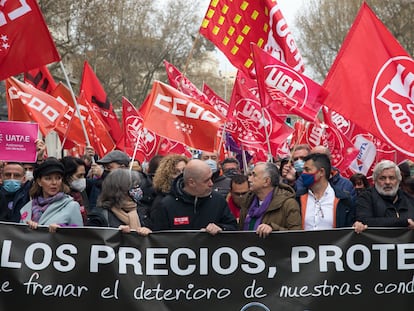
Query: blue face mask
[[308, 179], [12, 185], [212, 164], [135, 194], [299, 164]]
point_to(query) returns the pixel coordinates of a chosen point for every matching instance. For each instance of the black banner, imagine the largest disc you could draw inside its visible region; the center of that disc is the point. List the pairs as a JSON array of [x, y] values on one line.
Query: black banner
[[104, 269]]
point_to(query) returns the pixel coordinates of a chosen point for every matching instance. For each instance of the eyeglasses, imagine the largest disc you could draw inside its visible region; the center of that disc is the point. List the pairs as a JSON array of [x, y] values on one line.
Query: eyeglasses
[[240, 194]]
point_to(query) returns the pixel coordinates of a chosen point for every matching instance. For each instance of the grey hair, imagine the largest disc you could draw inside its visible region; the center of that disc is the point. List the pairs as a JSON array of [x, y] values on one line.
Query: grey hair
[[386, 164], [271, 170], [116, 185]]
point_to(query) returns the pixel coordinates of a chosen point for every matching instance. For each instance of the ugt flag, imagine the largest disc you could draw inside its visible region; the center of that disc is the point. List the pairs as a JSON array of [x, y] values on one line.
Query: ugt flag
[[232, 25], [25, 41], [371, 82]]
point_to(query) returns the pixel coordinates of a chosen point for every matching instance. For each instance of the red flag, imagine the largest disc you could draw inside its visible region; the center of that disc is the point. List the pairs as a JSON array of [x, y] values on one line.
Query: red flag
[[233, 25], [249, 126], [183, 84], [176, 116], [100, 138], [70, 128], [41, 79], [371, 82], [96, 96], [218, 103], [173, 147], [371, 150], [287, 89], [26, 103], [133, 129], [25, 41]]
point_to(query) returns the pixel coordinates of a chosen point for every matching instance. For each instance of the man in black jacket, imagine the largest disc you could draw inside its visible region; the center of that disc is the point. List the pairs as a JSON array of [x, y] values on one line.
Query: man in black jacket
[[192, 205], [385, 205]]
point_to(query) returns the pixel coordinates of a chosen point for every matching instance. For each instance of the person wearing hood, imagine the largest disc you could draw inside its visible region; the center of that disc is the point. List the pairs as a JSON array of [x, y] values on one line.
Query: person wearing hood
[[192, 204], [221, 182], [270, 205]]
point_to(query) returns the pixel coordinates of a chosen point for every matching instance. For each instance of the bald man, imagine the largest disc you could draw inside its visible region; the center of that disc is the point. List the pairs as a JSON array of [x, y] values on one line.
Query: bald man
[[192, 204]]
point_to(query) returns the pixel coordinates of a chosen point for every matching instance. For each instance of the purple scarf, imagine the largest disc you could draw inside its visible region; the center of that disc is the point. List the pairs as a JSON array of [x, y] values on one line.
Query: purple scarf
[[256, 212], [40, 205]]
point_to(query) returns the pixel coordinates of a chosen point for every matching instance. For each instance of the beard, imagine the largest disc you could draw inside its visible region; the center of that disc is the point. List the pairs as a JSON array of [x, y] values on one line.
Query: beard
[[387, 190]]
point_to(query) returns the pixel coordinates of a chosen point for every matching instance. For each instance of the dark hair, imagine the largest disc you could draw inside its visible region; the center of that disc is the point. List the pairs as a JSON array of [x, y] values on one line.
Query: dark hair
[[153, 164], [358, 176], [71, 165], [238, 179], [320, 160], [230, 160]]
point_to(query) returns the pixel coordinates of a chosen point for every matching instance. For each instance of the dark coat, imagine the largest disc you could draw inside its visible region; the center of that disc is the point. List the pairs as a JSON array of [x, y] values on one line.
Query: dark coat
[[377, 210], [179, 210]]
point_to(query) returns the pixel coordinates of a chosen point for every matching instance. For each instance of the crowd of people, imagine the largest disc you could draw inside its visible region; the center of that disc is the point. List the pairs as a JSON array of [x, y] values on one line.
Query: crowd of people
[[173, 192]]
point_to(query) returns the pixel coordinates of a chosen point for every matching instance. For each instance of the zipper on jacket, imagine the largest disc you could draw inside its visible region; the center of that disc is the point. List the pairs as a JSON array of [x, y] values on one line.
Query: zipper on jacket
[[195, 205]]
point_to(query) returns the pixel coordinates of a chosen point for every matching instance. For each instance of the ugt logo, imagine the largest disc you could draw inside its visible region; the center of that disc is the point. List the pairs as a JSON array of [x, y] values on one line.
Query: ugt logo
[[392, 102]]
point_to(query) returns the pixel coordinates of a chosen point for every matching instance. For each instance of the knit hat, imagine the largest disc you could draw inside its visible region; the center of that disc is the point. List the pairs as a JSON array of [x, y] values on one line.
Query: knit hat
[[49, 166]]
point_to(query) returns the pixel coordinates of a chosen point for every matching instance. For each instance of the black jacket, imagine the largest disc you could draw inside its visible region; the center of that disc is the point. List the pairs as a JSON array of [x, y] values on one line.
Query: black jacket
[[179, 210], [376, 210], [11, 203]]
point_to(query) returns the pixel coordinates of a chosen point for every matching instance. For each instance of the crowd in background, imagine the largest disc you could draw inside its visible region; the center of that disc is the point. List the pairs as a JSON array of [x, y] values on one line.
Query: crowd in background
[[173, 192]]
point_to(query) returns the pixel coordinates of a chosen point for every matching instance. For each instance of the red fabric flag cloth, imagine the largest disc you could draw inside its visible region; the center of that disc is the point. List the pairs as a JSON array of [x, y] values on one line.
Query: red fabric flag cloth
[[233, 25], [218, 103], [285, 88], [25, 41], [134, 129], [41, 79], [371, 82], [26, 103], [70, 128], [249, 127], [95, 95], [371, 150], [183, 84], [98, 134], [181, 118]]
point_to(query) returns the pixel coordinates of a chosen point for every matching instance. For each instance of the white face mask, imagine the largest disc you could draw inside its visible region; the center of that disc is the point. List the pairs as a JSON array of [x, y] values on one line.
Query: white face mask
[[212, 164], [29, 175], [79, 184]]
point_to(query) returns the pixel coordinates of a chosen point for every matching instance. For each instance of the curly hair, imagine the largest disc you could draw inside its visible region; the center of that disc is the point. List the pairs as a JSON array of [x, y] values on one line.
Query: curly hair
[[166, 172]]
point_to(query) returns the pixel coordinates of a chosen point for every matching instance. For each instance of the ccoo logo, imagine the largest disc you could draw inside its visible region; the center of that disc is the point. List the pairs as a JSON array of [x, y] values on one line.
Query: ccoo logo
[[392, 102]]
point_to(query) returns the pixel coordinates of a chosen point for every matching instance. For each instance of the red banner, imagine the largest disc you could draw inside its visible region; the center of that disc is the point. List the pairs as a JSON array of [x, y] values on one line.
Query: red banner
[[371, 82], [181, 118], [253, 126], [233, 25], [288, 90], [26, 103], [24, 38]]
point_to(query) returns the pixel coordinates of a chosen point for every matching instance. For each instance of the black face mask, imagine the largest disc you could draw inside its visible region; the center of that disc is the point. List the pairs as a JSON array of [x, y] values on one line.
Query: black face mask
[[359, 190], [230, 173]]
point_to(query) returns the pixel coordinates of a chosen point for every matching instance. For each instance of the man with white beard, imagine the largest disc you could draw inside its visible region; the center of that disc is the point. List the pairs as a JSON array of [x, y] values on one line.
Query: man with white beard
[[385, 204]]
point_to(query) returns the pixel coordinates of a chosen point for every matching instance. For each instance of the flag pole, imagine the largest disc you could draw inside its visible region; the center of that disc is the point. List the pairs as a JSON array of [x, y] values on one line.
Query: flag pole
[[135, 150], [76, 104], [269, 150]]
